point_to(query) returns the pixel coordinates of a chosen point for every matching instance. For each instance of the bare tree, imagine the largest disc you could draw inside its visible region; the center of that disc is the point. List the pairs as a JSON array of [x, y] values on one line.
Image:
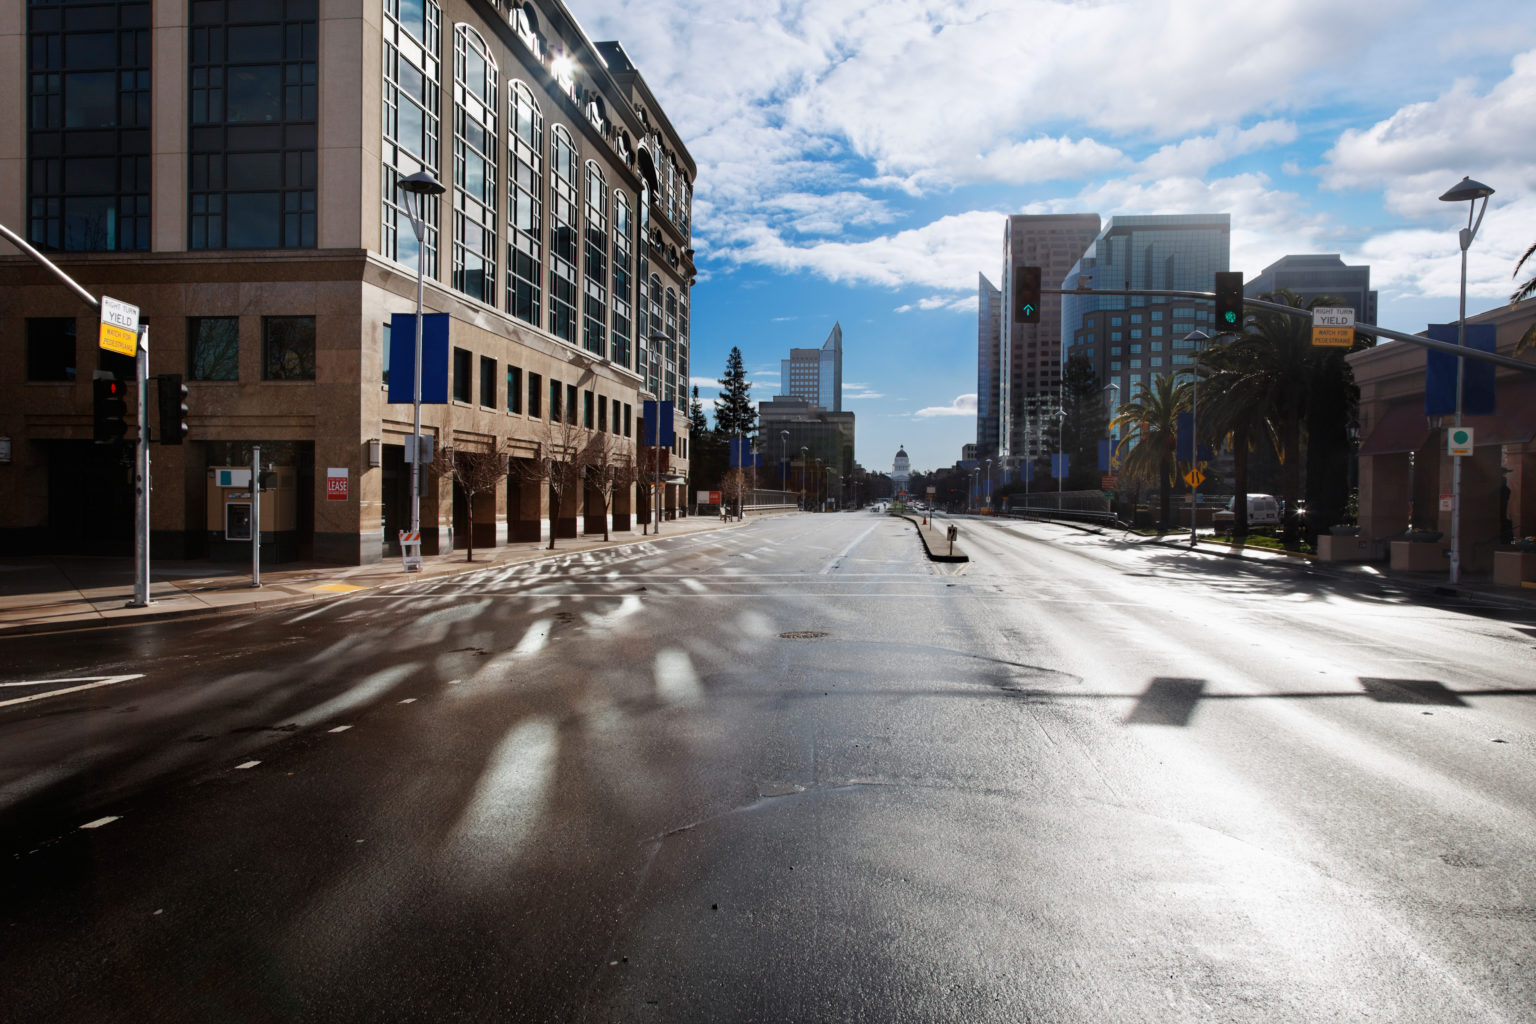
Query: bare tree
[[734, 487], [476, 472], [610, 466], [561, 463]]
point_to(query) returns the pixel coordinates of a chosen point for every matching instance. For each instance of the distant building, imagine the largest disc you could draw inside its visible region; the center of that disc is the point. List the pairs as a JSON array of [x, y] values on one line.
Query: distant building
[[785, 426], [989, 366], [1311, 276], [815, 375], [901, 470], [1029, 375], [1132, 339]]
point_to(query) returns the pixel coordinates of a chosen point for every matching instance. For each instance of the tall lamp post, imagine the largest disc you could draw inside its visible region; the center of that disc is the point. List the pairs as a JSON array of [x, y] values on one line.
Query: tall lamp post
[[1194, 338], [804, 451], [417, 187], [816, 485], [1061, 454], [986, 499], [1470, 192], [783, 460]]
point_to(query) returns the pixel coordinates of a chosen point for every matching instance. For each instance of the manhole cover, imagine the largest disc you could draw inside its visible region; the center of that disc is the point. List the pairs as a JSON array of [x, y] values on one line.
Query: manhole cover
[[802, 634]]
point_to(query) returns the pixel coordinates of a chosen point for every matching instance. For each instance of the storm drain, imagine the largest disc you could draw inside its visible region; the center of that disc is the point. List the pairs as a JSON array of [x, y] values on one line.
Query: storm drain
[[802, 634]]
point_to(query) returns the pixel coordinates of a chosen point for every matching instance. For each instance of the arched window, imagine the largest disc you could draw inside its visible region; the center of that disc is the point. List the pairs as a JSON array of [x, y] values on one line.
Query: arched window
[[412, 125], [525, 247], [562, 243], [658, 348], [623, 256], [474, 166], [669, 368], [595, 280]]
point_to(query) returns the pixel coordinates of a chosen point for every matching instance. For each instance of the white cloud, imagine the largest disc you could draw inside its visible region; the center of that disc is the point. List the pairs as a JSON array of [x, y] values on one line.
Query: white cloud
[[859, 392], [963, 304], [1194, 156], [963, 405]]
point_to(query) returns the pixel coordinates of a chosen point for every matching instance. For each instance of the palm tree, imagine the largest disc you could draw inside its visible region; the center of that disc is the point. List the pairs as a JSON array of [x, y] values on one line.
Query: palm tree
[[1298, 389], [1522, 293], [1150, 422], [1236, 409]]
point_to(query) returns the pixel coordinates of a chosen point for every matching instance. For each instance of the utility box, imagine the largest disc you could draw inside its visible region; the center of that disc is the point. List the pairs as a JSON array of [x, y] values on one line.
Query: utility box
[[230, 503]]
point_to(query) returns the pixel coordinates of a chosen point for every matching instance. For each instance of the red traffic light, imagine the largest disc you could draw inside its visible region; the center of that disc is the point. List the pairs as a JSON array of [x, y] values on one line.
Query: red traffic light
[[109, 407]]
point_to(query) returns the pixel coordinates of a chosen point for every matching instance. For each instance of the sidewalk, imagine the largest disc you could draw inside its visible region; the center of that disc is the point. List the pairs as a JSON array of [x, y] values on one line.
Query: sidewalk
[[42, 593]]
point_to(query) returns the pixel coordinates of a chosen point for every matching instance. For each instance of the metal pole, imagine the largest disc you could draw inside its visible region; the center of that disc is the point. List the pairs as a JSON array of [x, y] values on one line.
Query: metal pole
[[1194, 443], [416, 463], [141, 480], [1461, 364], [255, 515]]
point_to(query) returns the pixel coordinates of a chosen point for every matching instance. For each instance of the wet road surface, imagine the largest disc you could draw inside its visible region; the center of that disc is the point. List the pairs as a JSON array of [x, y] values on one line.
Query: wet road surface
[[786, 772]]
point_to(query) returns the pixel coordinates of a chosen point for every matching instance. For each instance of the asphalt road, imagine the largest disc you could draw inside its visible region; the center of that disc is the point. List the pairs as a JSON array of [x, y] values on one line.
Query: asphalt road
[[785, 772]]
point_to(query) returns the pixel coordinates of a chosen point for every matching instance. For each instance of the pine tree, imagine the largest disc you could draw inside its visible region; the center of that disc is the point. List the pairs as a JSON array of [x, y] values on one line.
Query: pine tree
[[700, 425], [734, 413]]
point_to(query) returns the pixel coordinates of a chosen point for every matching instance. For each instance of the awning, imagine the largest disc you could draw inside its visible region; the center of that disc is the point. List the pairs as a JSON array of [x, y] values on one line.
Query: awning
[[1403, 429]]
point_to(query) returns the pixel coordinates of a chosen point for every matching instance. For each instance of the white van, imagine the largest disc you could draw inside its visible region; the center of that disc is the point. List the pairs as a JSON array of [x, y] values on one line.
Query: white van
[[1263, 510]]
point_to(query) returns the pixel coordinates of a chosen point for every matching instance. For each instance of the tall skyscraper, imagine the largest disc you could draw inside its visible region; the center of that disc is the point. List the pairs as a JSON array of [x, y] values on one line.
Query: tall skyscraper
[[1132, 339], [815, 375], [1029, 378], [1321, 274], [989, 365]]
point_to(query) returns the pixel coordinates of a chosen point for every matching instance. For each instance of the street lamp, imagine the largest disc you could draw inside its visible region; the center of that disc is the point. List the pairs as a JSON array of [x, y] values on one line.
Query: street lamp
[[816, 483], [987, 497], [1194, 338], [419, 185], [1061, 454], [784, 460], [1470, 192], [804, 451]]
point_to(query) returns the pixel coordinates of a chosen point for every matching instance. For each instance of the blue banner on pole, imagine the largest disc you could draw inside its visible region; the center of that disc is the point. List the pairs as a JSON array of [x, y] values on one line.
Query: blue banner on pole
[[1061, 464], [658, 432], [1477, 398], [741, 454], [434, 358], [1185, 433], [1028, 473], [1104, 451]]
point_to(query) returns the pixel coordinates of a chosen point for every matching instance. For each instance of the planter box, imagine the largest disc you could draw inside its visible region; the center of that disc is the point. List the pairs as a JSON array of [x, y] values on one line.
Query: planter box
[[1344, 549], [1514, 568], [1416, 556]]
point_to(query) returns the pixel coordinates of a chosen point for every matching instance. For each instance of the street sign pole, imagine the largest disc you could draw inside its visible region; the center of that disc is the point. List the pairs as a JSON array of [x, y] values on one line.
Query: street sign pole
[[141, 479], [256, 516]]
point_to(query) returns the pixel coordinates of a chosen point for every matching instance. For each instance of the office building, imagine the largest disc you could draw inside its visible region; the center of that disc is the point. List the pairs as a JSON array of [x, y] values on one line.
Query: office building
[[787, 425], [1029, 377], [1315, 275], [231, 168], [989, 366], [815, 375], [1131, 339]]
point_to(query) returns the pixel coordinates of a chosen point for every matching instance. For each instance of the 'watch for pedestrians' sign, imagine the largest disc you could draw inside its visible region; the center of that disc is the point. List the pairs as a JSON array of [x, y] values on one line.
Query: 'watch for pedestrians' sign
[[1458, 441], [119, 326], [1333, 327]]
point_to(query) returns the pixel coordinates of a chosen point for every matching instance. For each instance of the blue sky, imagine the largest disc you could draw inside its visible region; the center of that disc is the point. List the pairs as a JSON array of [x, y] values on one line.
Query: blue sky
[[857, 158]]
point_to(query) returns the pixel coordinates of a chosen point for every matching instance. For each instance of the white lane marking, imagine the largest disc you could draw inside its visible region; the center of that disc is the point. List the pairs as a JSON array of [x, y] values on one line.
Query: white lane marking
[[409, 700], [248, 764], [676, 680], [827, 569], [510, 796], [534, 640], [687, 581], [90, 683], [370, 689], [102, 821], [339, 728]]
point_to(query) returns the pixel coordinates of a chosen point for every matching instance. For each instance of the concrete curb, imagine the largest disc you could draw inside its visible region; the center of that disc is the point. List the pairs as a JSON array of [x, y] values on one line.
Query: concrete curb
[[935, 544]]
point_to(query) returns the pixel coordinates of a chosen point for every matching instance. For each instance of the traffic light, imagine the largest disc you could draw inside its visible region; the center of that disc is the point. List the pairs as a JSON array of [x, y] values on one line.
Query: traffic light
[[1229, 300], [172, 396], [1026, 295], [109, 406]]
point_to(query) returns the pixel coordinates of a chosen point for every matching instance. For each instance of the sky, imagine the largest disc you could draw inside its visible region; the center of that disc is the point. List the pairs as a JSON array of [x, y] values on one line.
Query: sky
[[857, 158]]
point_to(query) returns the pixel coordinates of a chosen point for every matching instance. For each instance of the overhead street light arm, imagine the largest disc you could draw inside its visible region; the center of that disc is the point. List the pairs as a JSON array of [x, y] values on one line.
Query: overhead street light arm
[[1280, 307]]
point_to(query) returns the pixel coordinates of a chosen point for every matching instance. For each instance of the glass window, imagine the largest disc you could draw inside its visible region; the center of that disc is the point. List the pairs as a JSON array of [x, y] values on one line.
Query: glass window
[[412, 127], [588, 410], [602, 412], [514, 389], [213, 348], [525, 141], [595, 280], [253, 87], [51, 348], [461, 373], [535, 394], [474, 163], [555, 394], [562, 263], [487, 382], [570, 404], [627, 410], [288, 348], [1115, 321]]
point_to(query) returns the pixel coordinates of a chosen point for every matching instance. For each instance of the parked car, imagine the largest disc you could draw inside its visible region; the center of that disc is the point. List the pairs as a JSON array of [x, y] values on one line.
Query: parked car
[[1263, 510]]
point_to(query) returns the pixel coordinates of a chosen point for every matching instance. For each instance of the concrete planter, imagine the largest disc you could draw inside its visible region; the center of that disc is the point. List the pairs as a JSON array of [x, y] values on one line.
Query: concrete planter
[[1419, 556], [1514, 568], [1339, 548]]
